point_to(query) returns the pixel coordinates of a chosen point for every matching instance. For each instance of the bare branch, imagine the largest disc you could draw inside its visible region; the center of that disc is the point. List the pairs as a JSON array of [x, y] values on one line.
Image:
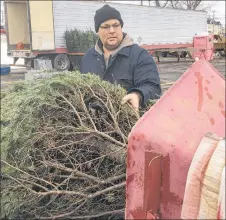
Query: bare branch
[[86, 110], [165, 4], [120, 211], [157, 3], [65, 214], [79, 173], [75, 111], [186, 4], [120, 185], [16, 168]]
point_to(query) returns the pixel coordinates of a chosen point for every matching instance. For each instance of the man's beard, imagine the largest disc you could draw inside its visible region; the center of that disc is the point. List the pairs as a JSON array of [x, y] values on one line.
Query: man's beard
[[111, 47]]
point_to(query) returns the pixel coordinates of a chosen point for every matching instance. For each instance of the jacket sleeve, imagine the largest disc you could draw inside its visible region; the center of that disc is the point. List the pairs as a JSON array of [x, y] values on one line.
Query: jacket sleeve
[[82, 65], [146, 78], [85, 62]]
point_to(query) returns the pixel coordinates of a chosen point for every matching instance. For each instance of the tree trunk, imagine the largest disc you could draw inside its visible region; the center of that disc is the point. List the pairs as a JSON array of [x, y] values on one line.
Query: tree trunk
[[157, 3]]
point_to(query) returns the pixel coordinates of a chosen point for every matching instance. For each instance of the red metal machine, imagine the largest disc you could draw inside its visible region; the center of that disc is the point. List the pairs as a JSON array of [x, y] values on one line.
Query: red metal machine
[[202, 47], [2, 30], [163, 142]]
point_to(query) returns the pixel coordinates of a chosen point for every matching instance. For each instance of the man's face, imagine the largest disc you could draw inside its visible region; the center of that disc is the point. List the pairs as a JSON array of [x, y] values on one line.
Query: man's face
[[110, 33]]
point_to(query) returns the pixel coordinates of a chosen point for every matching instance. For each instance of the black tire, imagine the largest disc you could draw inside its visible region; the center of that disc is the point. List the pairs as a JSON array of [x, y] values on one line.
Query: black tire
[[29, 63], [76, 61], [183, 54], [61, 62], [222, 53], [164, 53]]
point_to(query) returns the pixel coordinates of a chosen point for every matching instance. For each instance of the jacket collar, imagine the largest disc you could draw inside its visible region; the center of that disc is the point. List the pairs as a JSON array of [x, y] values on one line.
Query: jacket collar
[[125, 51]]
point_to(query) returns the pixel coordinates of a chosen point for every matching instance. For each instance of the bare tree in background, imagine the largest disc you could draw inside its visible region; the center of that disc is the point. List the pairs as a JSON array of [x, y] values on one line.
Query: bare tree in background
[[187, 5], [191, 4], [179, 4], [161, 4]]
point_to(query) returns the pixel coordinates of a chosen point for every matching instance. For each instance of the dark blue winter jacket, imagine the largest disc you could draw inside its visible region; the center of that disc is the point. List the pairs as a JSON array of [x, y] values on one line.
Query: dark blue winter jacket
[[130, 66]]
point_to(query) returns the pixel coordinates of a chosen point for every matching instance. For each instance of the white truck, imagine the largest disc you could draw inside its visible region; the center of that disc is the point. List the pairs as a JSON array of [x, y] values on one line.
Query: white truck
[[35, 29]]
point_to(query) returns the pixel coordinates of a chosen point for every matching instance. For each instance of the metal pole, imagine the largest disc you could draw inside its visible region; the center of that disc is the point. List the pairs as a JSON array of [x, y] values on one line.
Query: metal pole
[[2, 14], [213, 20]]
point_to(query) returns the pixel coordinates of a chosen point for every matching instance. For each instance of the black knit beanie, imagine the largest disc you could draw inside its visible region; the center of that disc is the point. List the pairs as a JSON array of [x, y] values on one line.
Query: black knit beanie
[[106, 13]]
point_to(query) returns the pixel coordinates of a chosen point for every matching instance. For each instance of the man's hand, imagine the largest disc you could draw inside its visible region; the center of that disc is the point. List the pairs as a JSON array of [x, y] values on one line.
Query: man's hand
[[133, 99]]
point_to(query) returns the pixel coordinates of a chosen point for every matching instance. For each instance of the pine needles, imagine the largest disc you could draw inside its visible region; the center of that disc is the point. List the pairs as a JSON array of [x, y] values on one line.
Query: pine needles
[[63, 146], [79, 40]]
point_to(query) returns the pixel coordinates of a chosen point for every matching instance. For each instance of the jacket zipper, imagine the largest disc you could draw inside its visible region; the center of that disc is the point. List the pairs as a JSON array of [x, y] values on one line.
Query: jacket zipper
[[110, 61]]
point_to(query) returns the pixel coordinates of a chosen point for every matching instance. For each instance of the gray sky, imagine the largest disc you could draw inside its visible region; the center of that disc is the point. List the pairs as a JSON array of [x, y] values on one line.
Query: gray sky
[[218, 7]]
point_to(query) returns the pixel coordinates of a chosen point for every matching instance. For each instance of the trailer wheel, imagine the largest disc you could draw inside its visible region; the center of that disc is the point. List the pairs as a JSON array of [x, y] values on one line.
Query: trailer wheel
[[61, 62], [29, 63], [183, 54], [164, 53], [222, 53]]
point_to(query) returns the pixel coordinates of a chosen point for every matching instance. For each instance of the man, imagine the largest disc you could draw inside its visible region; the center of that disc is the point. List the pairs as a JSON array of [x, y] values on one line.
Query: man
[[117, 59]]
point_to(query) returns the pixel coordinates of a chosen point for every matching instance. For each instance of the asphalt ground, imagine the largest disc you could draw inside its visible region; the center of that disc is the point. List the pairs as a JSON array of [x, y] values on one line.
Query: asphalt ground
[[169, 69]]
